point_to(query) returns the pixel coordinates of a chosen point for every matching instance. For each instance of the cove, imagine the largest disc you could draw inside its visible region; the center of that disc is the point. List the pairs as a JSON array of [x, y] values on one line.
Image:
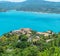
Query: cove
[[14, 20]]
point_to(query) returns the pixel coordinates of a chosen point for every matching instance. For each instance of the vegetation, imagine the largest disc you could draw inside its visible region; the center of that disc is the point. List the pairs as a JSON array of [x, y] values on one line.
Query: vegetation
[[14, 45], [31, 5]]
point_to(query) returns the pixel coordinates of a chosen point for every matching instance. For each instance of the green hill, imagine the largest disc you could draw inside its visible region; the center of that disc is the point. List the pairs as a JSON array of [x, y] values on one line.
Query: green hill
[[26, 42]]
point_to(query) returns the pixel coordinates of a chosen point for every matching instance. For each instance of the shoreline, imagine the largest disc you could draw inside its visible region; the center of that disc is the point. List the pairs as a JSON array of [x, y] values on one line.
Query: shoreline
[[32, 12], [38, 12]]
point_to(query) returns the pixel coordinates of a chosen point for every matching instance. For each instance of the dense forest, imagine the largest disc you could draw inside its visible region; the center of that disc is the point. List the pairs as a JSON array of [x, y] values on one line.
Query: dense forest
[[26, 42], [31, 5]]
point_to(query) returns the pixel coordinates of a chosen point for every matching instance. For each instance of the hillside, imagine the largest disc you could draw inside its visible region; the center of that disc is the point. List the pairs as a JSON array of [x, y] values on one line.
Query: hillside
[[31, 5], [26, 42]]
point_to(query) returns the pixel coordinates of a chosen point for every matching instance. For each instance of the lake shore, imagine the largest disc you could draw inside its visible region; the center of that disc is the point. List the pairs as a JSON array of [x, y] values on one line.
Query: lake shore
[[34, 12], [39, 12]]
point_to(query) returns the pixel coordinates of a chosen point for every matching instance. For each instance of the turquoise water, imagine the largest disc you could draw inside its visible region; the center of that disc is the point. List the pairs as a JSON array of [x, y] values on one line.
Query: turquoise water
[[13, 20]]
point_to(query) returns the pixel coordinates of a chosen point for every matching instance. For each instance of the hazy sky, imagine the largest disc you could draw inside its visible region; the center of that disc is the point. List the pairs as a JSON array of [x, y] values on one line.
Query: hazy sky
[[53, 0], [25, 0], [14, 0]]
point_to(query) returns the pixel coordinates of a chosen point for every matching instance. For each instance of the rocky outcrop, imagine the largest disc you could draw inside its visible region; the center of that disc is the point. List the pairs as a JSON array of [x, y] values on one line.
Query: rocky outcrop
[[28, 32], [45, 33]]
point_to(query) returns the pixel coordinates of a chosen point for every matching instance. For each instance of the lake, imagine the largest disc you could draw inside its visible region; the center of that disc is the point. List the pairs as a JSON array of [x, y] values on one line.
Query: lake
[[13, 20]]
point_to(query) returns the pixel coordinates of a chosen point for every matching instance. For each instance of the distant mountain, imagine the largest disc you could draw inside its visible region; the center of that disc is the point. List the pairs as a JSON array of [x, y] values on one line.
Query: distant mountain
[[31, 5]]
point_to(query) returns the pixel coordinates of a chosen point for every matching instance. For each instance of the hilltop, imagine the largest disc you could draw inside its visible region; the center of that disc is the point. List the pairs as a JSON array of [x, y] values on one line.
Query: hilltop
[[26, 42]]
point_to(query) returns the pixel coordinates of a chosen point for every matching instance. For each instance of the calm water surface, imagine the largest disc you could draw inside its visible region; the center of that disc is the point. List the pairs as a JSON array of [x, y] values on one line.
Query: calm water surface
[[13, 20]]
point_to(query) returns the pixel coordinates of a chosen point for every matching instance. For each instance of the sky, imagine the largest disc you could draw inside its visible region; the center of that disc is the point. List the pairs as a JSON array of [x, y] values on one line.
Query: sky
[[25, 0], [14, 0], [53, 0]]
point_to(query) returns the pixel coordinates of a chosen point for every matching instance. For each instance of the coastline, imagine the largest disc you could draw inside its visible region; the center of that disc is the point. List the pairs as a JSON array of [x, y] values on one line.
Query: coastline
[[38, 12], [33, 12]]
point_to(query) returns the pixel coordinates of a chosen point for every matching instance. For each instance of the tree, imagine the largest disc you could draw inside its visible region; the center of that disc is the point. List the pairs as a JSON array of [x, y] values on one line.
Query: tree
[[30, 51], [23, 37]]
